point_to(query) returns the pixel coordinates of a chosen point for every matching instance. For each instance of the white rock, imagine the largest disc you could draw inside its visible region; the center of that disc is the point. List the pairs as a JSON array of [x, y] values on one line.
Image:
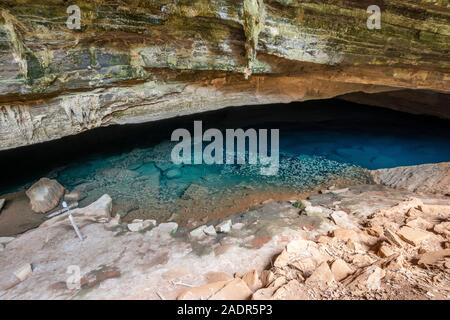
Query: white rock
[[198, 232], [168, 227], [210, 231], [224, 227], [137, 226], [2, 203], [23, 272]]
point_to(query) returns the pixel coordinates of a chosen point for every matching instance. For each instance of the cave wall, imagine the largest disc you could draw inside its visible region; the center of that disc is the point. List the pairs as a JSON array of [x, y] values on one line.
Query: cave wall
[[135, 61]]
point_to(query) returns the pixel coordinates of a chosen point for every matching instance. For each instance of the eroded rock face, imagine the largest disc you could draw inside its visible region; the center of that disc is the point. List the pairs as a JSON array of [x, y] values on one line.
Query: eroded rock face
[[137, 61]]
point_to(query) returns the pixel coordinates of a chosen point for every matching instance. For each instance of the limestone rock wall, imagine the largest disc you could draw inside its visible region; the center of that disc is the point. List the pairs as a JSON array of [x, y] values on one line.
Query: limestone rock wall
[[135, 61]]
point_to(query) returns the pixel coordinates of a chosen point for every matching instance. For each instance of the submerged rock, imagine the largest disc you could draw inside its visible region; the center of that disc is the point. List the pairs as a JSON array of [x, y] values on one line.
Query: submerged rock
[[45, 195]]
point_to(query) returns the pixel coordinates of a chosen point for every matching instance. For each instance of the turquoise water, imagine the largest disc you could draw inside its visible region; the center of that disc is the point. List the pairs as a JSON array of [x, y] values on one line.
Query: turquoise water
[[317, 145]]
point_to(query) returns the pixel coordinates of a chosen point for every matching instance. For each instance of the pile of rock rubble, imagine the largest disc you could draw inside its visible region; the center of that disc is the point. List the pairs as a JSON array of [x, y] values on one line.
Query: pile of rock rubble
[[402, 252]]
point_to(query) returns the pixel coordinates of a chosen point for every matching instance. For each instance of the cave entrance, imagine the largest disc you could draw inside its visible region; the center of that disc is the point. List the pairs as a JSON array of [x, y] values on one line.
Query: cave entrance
[[322, 143]]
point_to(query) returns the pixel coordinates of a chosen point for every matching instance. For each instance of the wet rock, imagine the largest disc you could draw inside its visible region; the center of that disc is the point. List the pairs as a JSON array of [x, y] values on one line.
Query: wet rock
[[340, 270], [140, 225], [23, 272], [45, 195], [413, 236], [224, 227]]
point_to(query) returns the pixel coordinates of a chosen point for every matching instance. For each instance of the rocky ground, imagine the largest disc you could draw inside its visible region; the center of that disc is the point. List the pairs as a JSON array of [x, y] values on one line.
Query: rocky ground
[[360, 242]]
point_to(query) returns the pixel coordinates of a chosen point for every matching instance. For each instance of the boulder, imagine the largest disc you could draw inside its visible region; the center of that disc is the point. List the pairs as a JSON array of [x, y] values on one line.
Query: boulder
[[2, 203], [45, 195]]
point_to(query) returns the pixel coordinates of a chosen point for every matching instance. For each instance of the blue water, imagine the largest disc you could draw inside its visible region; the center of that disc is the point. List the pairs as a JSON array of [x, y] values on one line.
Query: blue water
[[317, 145]]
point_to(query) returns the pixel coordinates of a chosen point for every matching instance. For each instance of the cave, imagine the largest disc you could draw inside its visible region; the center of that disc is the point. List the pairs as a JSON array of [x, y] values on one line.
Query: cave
[[224, 150]]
